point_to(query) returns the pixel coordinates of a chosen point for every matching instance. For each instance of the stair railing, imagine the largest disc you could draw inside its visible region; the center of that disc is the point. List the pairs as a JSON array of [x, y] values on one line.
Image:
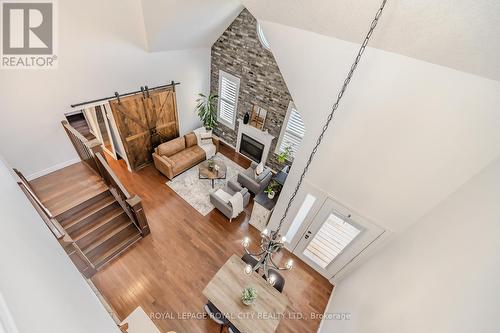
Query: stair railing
[[85, 148], [90, 151], [71, 248], [43, 211], [131, 204]]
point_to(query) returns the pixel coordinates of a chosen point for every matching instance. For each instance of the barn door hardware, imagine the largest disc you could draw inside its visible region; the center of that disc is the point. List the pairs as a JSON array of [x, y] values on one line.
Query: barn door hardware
[[172, 84]]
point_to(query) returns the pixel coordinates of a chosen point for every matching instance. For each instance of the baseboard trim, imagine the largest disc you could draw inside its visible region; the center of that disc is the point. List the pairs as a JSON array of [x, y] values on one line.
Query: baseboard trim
[[53, 168]]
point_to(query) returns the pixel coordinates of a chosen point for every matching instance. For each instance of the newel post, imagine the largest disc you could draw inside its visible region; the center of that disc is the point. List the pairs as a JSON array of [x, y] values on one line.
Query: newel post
[[135, 204]]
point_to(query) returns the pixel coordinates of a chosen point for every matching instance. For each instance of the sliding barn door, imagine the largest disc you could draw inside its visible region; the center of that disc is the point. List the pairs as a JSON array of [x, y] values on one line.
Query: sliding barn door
[[145, 122], [131, 120], [162, 115]]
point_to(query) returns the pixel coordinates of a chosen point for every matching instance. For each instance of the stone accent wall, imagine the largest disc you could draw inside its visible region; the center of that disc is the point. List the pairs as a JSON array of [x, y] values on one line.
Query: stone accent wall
[[239, 52]]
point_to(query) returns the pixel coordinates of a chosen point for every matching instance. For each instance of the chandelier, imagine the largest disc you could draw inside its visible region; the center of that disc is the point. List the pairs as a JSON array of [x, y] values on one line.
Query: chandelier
[[271, 241]]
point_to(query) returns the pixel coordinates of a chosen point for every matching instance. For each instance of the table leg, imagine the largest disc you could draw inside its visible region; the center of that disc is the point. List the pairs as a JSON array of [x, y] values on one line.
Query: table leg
[[213, 180]]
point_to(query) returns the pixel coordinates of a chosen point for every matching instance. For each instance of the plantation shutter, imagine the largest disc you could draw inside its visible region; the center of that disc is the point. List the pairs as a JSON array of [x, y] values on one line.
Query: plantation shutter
[[229, 86], [294, 131], [333, 237]]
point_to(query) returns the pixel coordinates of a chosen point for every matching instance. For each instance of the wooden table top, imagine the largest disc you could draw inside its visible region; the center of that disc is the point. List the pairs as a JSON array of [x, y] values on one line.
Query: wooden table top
[[224, 291], [206, 173]]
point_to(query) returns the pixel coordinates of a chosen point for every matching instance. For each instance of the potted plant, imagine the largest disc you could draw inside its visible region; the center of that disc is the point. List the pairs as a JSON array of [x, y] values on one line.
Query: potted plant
[[285, 154], [270, 189], [206, 110], [249, 295], [211, 164]]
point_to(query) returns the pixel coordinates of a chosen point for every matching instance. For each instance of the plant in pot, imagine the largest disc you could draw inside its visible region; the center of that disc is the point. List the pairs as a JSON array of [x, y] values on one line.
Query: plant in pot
[[249, 295], [211, 164], [207, 111], [285, 154], [270, 189]]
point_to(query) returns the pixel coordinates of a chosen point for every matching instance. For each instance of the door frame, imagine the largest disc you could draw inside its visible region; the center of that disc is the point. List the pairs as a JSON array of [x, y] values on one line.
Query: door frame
[[106, 112], [321, 197]]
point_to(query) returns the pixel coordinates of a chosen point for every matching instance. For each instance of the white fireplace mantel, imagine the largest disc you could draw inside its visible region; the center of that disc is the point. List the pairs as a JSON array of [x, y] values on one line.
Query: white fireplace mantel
[[261, 136]]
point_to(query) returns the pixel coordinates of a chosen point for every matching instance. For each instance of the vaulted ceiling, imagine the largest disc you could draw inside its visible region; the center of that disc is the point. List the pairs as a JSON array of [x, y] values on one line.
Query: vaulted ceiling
[[186, 24], [461, 34]]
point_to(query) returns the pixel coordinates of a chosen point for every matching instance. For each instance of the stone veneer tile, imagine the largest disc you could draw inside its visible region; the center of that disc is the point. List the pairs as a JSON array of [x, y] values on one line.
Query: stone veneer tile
[[239, 52]]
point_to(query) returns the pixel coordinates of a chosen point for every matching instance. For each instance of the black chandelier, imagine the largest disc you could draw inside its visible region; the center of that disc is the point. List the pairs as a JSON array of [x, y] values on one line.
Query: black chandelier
[[272, 241]]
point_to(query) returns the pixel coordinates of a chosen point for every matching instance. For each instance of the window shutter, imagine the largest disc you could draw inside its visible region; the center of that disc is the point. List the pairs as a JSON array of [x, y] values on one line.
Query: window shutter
[[228, 97], [332, 238], [294, 132]]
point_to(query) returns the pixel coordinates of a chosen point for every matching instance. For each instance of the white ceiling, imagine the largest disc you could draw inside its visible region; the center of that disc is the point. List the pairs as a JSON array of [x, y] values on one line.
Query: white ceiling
[[186, 24], [400, 142], [461, 34]]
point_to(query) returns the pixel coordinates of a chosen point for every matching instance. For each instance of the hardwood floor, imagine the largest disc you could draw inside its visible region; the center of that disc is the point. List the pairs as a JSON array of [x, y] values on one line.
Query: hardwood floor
[[166, 272], [66, 188]]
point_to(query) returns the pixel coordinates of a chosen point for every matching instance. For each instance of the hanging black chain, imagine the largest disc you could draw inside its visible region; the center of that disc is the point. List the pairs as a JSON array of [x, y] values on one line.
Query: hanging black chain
[[332, 112]]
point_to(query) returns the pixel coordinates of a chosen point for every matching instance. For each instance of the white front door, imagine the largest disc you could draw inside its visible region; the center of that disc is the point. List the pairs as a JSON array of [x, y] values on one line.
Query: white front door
[[334, 238]]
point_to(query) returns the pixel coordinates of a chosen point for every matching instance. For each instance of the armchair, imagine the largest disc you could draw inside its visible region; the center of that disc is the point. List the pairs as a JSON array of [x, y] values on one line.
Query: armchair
[[225, 208], [252, 183]]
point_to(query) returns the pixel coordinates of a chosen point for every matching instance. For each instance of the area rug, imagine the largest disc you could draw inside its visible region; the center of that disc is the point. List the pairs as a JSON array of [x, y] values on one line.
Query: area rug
[[197, 191]]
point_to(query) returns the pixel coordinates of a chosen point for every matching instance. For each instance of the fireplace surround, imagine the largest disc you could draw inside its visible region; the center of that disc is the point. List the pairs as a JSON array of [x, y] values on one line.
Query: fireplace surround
[[259, 138], [251, 148]]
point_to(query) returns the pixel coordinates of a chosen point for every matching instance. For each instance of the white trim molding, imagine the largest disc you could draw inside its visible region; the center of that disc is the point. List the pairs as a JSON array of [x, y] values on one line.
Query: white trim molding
[[53, 168]]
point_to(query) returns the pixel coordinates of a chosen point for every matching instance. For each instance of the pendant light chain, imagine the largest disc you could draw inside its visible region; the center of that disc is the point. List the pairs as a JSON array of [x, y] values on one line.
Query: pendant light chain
[[330, 116]]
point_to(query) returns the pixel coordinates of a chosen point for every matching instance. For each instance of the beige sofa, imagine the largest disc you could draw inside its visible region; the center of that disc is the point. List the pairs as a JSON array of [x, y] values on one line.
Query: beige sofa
[[176, 156]]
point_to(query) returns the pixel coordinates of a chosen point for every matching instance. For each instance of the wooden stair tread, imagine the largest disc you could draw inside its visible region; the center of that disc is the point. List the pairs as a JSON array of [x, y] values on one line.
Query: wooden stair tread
[[88, 211], [105, 219], [100, 240], [73, 199], [66, 188], [104, 257]]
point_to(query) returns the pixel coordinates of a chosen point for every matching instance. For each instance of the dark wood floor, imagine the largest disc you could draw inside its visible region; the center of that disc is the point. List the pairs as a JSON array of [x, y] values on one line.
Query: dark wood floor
[[166, 272]]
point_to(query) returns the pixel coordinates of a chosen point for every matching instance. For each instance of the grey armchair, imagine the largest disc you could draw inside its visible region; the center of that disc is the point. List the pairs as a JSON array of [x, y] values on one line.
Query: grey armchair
[[255, 184], [231, 188]]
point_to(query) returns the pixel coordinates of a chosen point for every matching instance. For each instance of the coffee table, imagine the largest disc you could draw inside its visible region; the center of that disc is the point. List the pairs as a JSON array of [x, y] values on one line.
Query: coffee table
[[218, 171]]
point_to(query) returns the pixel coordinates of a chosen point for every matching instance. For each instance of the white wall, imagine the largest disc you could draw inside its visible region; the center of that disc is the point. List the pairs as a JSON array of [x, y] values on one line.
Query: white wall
[[101, 50], [407, 134], [441, 275], [187, 24], [42, 288]]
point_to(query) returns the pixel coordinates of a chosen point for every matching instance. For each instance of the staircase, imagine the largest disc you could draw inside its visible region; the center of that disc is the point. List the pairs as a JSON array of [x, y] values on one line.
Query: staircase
[[86, 207], [100, 227], [78, 122]]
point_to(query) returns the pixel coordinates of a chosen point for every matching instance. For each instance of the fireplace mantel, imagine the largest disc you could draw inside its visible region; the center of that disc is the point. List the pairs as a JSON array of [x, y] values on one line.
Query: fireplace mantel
[[261, 136]]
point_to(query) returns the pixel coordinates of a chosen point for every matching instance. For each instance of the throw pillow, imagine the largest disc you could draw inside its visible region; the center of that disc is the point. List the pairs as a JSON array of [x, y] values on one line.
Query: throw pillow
[[206, 138], [259, 169], [198, 133], [191, 139]]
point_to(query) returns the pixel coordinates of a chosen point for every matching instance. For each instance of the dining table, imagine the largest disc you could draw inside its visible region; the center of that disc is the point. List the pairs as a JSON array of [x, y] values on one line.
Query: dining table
[[225, 289]]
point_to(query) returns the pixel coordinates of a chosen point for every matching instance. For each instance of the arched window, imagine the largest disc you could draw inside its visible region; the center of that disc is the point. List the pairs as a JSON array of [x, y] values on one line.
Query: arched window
[[262, 38]]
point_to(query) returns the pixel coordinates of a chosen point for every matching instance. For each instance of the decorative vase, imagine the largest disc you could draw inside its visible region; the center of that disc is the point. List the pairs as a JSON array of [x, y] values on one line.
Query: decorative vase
[[246, 118], [271, 195]]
